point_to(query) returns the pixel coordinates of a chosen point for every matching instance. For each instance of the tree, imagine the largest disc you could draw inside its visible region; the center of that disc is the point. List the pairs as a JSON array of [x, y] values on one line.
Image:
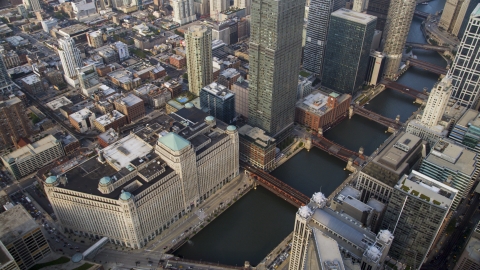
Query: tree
[[185, 76]]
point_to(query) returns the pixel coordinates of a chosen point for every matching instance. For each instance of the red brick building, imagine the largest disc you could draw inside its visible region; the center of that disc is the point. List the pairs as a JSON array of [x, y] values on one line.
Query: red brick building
[[178, 61], [322, 110], [114, 120], [131, 106]]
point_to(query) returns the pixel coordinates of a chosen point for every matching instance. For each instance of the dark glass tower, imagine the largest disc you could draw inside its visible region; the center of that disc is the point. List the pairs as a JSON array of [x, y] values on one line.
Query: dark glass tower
[[350, 36], [275, 53]]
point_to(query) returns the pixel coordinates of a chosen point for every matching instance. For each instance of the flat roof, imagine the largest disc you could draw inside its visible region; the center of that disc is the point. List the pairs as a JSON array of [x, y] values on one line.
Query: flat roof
[[123, 151], [59, 102], [345, 228], [131, 100], [109, 136], [316, 102], [32, 149], [327, 250], [109, 117], [446, 153], [396, 152], [428, 189], [14, 223], [218, 90], [81, 115], [469, 117], [74, 29], [9, 102], [256, 134], [354, 16], [31, 79]]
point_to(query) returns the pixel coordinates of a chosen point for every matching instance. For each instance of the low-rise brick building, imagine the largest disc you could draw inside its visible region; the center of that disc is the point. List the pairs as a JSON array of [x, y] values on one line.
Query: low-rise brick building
[[257, 148], [177, 61], [114, 120], [131, 106]]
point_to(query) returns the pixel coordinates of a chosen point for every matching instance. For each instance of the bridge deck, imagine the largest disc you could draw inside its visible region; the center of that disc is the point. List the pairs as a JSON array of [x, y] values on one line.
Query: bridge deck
[[403, 89], [385, 121], [277, 186], [427, 66], [337, 150], [428, 47]]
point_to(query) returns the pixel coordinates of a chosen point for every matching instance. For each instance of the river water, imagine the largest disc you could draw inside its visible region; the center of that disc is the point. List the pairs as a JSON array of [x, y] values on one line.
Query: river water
[[255, 224]]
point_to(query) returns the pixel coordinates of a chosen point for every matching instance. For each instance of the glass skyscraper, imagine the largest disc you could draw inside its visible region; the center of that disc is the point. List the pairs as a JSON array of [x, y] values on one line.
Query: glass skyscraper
[[317, 28], [275, 53], [218, 101], [350, 36], [465, 70]]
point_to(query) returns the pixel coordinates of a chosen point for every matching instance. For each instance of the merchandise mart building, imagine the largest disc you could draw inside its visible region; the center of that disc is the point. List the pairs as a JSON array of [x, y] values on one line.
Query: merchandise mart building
[[133, 190]]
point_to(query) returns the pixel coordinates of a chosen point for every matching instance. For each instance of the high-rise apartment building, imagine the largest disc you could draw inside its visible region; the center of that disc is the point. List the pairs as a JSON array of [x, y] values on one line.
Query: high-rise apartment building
[[183, 11], [218, 101], [326, 239], [14, 123], [70, 58], [317, 28], [122, 50], [95, 39], [400, 15], [347, 52], [130, 178], [199, 57], [6, 83], [218, 6], [415, 213], [465, 69], [22, 237], [275, 53], [452, 165]]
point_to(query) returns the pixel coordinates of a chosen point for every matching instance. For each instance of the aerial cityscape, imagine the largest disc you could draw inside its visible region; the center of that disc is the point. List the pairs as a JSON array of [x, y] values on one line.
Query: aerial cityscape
[[240, 134]]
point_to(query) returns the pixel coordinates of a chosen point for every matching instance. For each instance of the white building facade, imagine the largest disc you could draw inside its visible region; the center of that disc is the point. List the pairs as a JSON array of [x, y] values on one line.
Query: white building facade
[[129, 179], [183, 11], [69, 56]]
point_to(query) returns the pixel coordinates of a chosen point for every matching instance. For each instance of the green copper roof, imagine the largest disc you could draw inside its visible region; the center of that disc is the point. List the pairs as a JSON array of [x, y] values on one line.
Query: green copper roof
[[173, 141], [125, 195], [51, 179], [105, 180]]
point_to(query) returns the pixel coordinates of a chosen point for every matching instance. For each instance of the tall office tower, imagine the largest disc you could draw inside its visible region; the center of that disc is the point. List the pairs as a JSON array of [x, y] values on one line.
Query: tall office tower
[[218, 6], [6, 83], [437, 102], [376, 63], [22, 237], [246, 4], [199, 57], [397, 158], [360, 5], [347, 52], [35, 5], [218, 101], [275, 53], [470, 258], [379, 9], [69, 56], [317, 30], [467, 130], [453, 165], [465, 69], [183, 11], [400, 15], [14, 121], [415, 213], [325, 239], [439, 114], [453, 15]]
